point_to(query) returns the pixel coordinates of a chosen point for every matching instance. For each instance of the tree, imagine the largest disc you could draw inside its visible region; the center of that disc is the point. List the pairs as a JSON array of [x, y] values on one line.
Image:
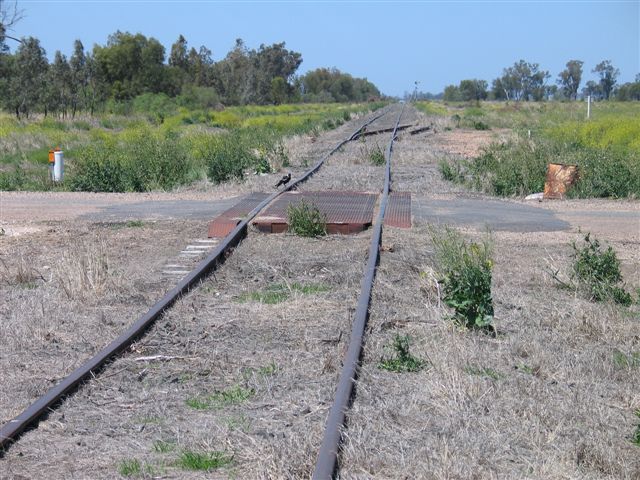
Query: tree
[[592, 89], [569, 79], [178, 56], [524, 81], [452, 94], [608, 76], [332, 85], [57, 91], [9, 16], [131, 65], [473, 90], [27, 81]]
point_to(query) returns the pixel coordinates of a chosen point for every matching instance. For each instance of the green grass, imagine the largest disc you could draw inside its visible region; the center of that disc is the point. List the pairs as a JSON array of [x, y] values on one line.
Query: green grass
[[225, 398], [162, 446], [130, 468], [280, 292], [626, 360], [204, 461], [483, 372]]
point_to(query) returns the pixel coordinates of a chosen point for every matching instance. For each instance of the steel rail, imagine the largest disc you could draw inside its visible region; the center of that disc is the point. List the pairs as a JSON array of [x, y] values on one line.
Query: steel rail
[[45, 404], [327, 461]]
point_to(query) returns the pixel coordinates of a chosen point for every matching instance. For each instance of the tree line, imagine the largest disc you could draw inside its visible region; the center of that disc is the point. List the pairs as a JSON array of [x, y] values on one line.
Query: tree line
[[524, 81], [133, 65]]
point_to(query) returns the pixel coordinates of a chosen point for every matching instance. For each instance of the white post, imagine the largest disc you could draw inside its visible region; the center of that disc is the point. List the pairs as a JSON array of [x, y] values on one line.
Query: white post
[[588, 107], [58, 166]]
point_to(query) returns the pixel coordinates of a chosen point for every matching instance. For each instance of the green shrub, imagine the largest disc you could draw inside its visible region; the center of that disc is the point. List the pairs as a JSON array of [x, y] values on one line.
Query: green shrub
[[141, 162], [466, 277], [227, 158], [400, 359], [519, 168], [598, 272], [306, 220]]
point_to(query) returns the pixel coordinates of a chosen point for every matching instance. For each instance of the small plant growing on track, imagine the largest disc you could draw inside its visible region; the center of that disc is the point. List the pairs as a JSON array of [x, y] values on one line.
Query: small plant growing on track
[[224, 398], [162, 446], [401, 359], [376, 156], [191, 460], [636, 435], [623, 360], [279, 292], [130, 468], [306, 220], [484, 372], [466, 277], [597, 272]]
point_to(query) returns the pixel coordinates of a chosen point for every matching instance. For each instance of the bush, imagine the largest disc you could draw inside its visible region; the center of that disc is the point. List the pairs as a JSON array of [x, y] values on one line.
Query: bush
[[466, 277], [226, 158], [140, 162], [306, 220], [598, 272], [519, 168]]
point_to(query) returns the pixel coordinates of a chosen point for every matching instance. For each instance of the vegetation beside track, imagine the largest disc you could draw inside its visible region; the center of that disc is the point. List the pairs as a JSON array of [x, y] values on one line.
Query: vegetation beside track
[[606, 147], [150, 151]]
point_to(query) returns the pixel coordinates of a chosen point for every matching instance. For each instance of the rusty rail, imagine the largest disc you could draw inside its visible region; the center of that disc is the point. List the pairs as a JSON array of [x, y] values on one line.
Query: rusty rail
[[12, 429], [327, 461]]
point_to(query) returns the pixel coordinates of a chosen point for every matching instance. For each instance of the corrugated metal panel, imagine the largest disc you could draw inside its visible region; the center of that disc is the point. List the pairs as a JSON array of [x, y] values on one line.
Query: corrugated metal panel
[[222, 225], [346, 212], [398, 212]]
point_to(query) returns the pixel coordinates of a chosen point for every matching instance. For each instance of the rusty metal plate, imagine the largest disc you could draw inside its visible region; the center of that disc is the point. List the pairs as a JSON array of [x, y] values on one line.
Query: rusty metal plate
[[224, 223], [398, 212], [346, 212]]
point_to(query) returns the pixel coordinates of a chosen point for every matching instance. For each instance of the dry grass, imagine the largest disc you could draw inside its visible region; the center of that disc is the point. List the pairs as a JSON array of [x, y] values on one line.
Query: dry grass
[[67, 292], [545, 399], [279, 361]]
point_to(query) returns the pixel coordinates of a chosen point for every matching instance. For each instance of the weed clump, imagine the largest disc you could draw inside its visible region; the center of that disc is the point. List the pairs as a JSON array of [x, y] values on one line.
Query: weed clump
[[466, 277], [139, 162], [401, 359], [597, 271], [306, 220], [205, 461]]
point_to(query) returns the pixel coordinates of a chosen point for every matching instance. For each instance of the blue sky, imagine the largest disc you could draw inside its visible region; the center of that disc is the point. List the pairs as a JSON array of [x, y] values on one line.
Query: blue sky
[[393, 44]]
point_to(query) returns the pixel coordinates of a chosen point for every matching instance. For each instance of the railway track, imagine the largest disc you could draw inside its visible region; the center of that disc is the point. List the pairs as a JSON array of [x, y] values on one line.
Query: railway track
[[326, 462]]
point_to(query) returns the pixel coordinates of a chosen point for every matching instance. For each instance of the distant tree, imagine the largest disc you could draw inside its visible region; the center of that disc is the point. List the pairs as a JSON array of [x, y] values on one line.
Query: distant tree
[[178, 56], [279, 90], [498, 90], [131, 65], [608, 76], [524, 81], [592, 89], [569, 79], [473, 90], [27, 79], [57, 91], [452, 94], [629, 91], [332, 85]]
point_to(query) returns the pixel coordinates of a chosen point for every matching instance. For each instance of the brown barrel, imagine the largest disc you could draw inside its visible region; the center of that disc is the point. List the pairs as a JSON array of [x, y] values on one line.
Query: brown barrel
[[559, 178]]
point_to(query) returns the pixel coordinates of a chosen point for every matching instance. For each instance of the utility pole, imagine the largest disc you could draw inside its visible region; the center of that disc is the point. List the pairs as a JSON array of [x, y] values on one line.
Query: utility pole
[[415, 92]]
